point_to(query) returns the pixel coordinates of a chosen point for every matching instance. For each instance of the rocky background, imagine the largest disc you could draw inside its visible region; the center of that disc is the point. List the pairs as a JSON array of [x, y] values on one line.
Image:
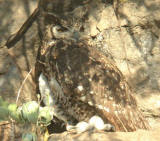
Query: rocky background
[[132, 41]]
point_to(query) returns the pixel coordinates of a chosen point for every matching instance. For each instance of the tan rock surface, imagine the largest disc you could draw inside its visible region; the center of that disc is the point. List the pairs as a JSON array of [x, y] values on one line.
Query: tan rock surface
[[139, 135]]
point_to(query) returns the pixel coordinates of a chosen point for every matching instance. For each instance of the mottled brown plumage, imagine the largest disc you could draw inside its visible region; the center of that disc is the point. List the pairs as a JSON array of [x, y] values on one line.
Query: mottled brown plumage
[[92, 85]]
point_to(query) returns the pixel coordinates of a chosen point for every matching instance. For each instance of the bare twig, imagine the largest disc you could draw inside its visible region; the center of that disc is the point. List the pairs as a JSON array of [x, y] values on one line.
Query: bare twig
[[19, 91]]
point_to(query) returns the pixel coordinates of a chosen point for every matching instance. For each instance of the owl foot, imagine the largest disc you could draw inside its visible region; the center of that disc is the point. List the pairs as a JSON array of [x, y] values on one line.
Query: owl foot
[[95, 123]]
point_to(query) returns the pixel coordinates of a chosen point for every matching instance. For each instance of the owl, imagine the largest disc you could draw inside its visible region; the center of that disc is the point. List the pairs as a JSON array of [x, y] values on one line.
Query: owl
[[81, 82]]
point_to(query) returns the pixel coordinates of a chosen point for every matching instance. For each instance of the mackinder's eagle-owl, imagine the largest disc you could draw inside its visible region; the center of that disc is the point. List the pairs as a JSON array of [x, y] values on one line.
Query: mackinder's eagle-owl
[[88, 82]]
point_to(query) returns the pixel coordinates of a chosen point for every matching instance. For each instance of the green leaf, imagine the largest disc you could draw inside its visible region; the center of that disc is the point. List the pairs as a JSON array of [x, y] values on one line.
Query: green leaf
[[45, 115], [4, 113], [3, 103], [30, 111], [13, 113]]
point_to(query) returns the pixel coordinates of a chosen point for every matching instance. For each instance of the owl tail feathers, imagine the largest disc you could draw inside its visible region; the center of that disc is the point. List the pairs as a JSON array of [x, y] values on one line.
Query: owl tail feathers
[[127, 119]]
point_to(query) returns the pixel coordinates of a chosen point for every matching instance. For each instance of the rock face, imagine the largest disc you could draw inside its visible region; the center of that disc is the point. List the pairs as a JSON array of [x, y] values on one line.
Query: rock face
[[84, 73]]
